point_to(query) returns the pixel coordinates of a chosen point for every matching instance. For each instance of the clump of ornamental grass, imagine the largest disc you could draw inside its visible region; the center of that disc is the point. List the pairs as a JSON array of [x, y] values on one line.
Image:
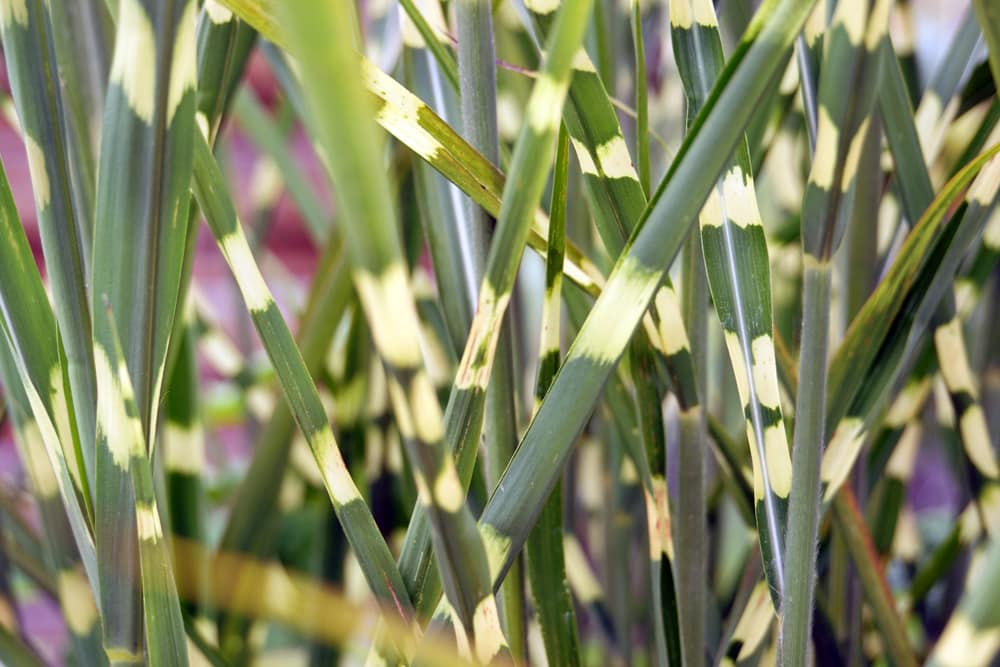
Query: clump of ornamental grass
[[635, 334]]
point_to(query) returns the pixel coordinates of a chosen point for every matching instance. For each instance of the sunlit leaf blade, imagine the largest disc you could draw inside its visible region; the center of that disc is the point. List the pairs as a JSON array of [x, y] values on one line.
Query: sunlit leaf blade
[[736, 261], [31, 68]]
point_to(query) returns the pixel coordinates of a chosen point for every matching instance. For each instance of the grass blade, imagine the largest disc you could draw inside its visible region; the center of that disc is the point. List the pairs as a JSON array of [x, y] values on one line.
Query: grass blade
[[988, 15], [852, 49], [300, 392], [31, 66], [120, 438], [546, 559], [736, 260]]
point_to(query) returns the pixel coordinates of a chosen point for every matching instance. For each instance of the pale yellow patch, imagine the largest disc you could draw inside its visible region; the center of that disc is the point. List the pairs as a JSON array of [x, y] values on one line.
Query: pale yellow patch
[[545, 105], [201, 120], [581, 577], [582, 61], [841, 453], [906, 543], [878, 24], [43, 478], [685, 13], [991, 234], [218, 12], [184, 69], [755, 621], [950, 345], [814, 28], [711, 212], [614, 159], [261, 401], [825, 158], [134, 64], [77, 601], [486, 627], [404, 420], [904, 455], [765, 372], [221, 353], [240, 258], [739, 365], [61, 419], [851, 14], [629, 290], [963, 644], [584, 157], [655, 548], [627, 472], [542, 6], [113, 421], [984, 188], [477, 361], [387, 301], [854, 154], [976, 439], [400, 113], [658, 520], [910, 400], [147, 521], [779, 464], [423, 491], [13, 11], [739, 199], [291, 493], [426, 410], [672, 330], [338, 478], [497, 547], [448, 491], [39, 175], [185, 448], [926, 118]]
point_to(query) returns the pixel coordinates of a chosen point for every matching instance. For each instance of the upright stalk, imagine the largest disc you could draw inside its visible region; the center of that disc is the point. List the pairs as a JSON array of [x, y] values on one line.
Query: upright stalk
[[851, 57], [477, 86], [692, 546]]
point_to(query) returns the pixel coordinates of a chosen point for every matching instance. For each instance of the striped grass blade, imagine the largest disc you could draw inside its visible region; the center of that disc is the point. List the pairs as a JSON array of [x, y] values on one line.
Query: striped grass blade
[[736, 261], [852, 47], [30, 335], [139, 242], [546, 561], [33, 73], [373, 554], [120, 438]]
